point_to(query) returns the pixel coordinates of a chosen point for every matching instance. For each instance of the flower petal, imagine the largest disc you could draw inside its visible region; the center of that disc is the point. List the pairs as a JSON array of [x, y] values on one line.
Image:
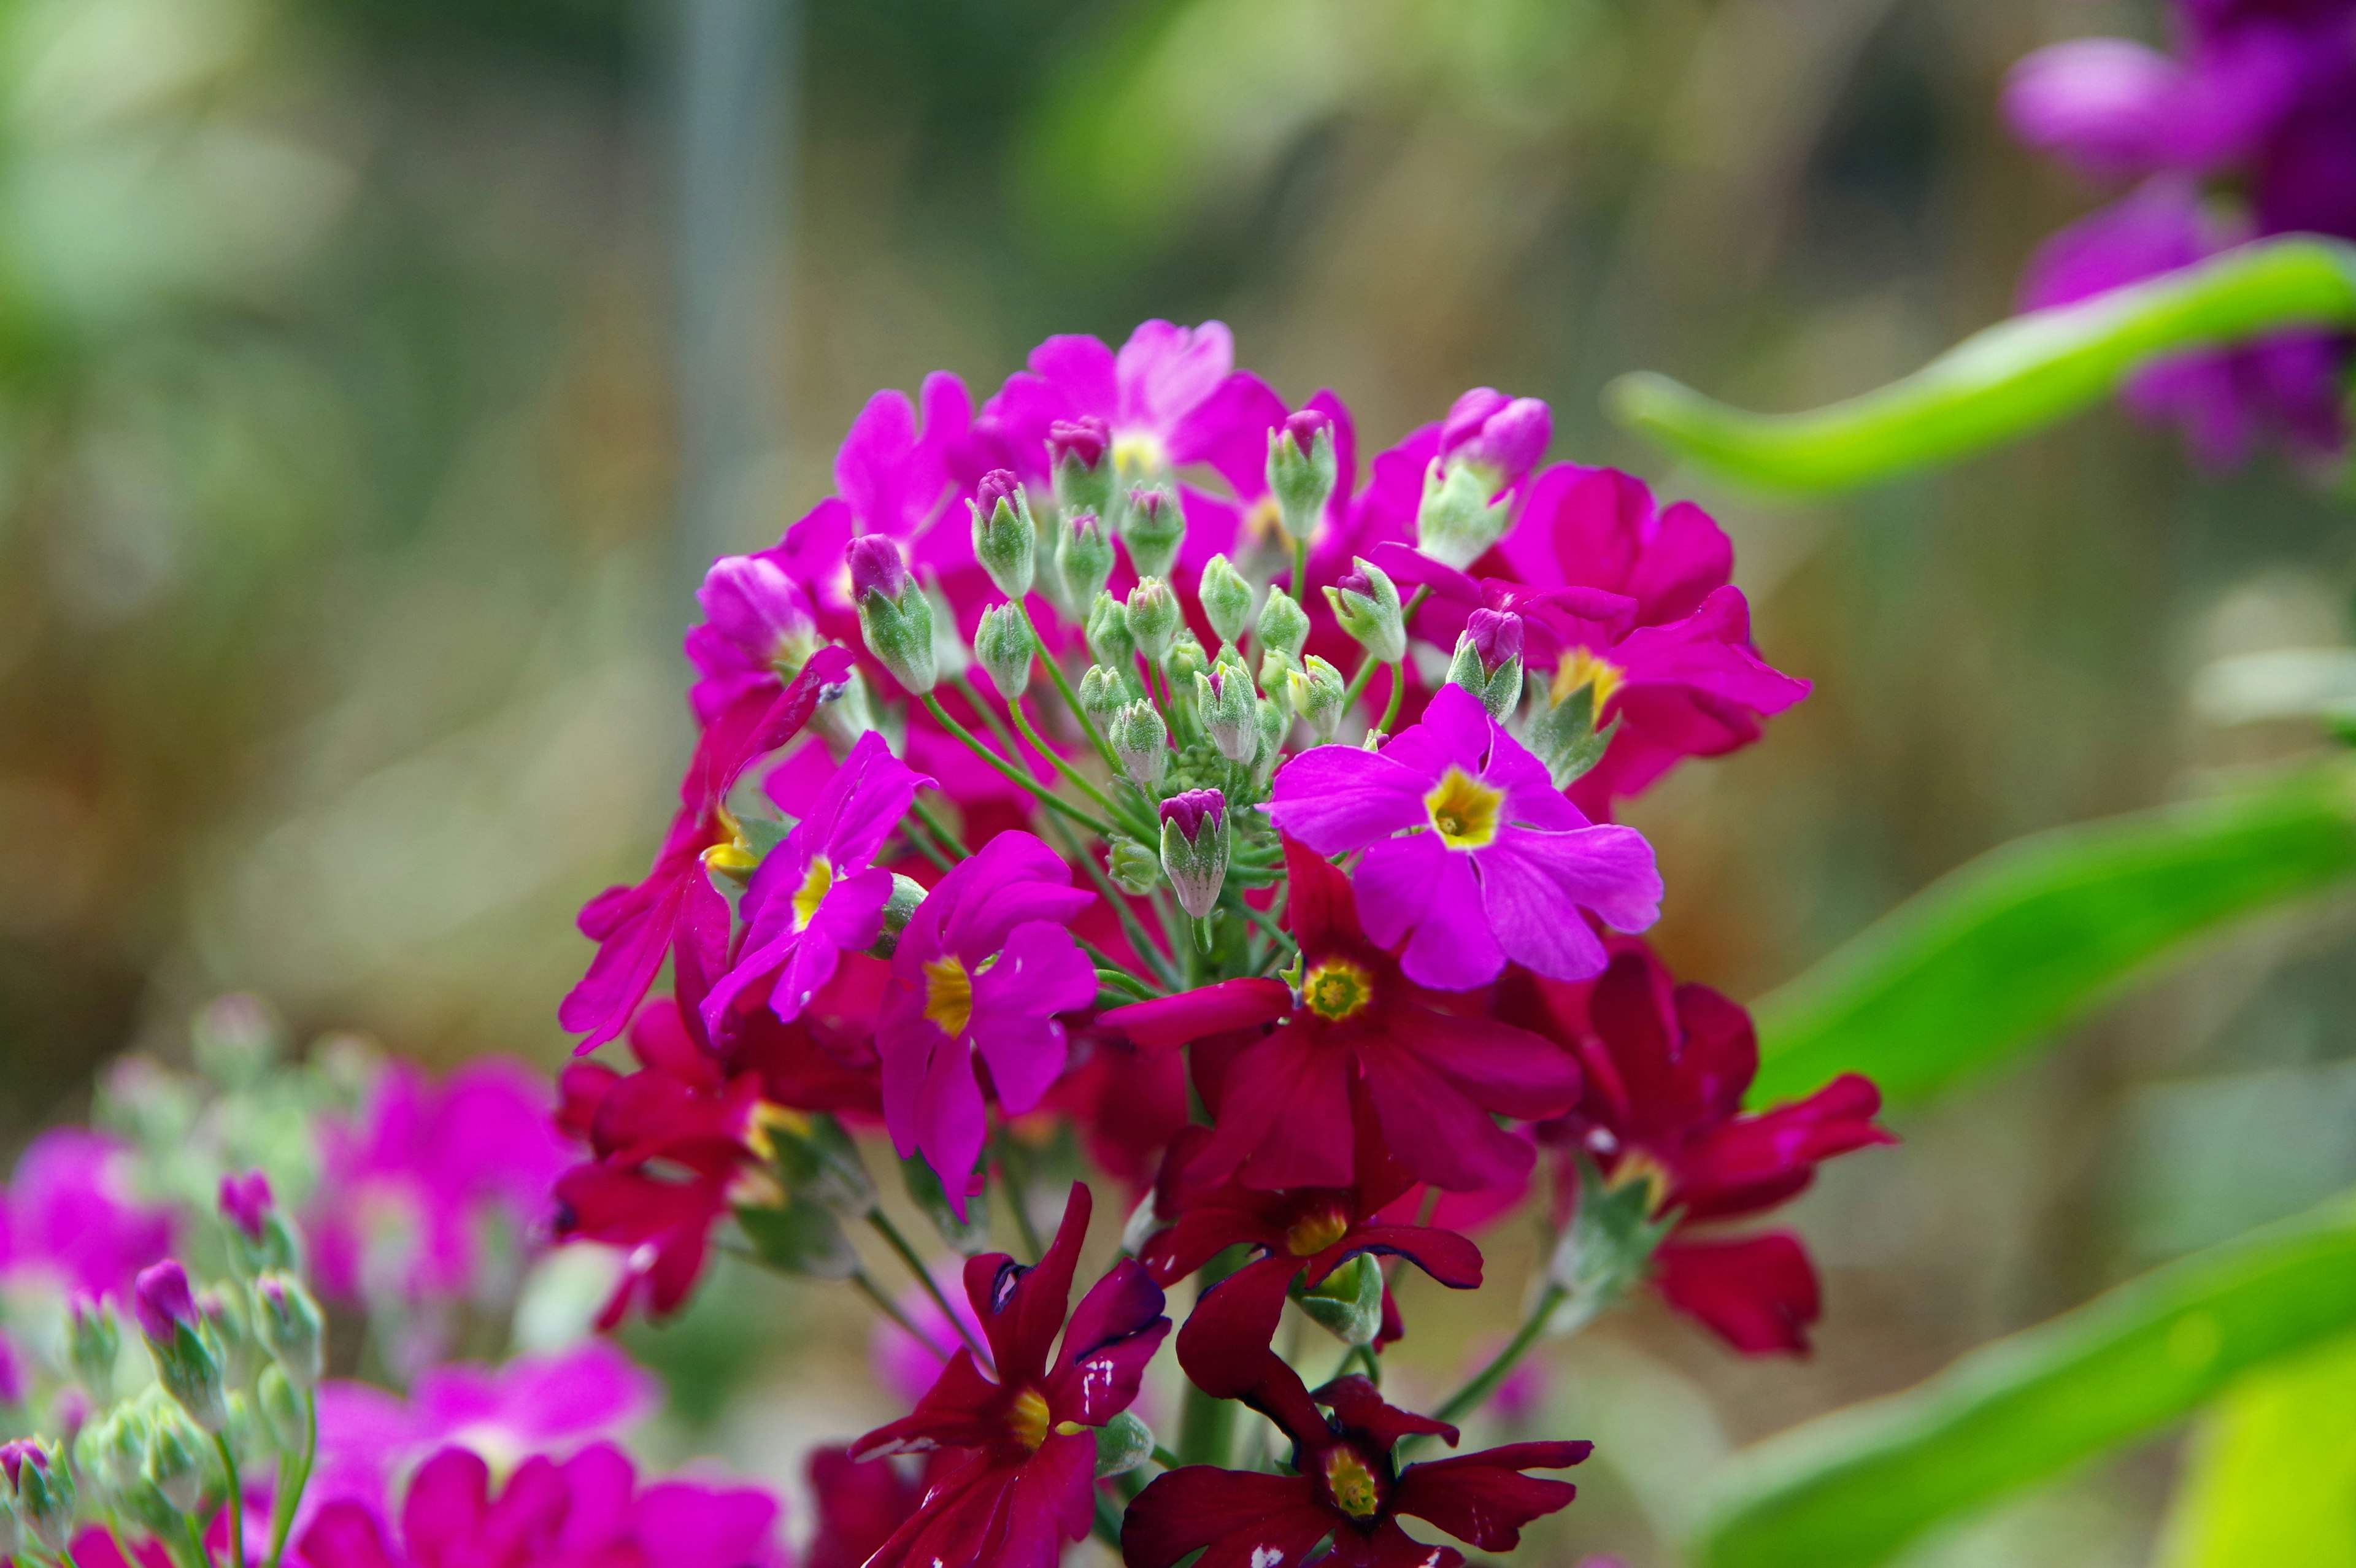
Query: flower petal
[[1235, 1517]]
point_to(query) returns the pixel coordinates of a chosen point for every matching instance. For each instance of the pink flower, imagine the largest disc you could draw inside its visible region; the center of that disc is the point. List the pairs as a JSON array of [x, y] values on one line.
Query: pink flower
[[984, 967], [1502, 437], [245, 1201], [817, 894], [904, 1366], [1470, 855], [757, 629], [71, 1213], [1155, 398], [163, 1301]]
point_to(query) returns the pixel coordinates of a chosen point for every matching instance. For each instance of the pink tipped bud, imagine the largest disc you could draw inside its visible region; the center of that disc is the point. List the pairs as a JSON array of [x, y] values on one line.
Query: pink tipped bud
[[245, 1202], [1302, 427], [998, 487], [877, 568], [1496, 637], [1190, 809], [163, 1301], [17, 1453], [1083, 439], [1504, 436]]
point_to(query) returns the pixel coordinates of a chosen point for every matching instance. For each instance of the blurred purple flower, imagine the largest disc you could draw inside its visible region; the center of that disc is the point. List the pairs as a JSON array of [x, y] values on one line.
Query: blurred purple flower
[[71, 1214]]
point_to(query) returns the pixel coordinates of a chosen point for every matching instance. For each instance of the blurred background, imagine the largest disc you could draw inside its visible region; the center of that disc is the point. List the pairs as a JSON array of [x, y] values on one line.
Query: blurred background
[[377, 376]]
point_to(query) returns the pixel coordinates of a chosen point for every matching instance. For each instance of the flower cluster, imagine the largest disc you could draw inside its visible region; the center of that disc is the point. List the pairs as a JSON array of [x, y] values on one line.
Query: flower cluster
[[2257, 105], [1119, 756]]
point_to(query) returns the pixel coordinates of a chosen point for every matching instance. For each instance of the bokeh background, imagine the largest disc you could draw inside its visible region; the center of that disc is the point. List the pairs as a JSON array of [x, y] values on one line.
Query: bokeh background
[[376, 377]]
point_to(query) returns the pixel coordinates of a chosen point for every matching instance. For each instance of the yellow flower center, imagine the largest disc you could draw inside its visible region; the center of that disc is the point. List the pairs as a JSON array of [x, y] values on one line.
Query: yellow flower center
[[1636, 1166], [1335, 989], [1351, 1484], [948, 995], [1028, 1417], [736, 857], [1312, 1234], [1139, 455], [766, 1120], [817, 883], [1464, 811], [1263, 522], [1580, 668]]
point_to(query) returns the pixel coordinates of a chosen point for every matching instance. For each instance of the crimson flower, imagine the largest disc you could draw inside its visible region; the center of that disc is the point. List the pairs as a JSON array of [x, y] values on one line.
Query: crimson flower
[[1304, 1232], [1030, 1484], [1347, 1485], [1355, 1032], [1667, 1066]]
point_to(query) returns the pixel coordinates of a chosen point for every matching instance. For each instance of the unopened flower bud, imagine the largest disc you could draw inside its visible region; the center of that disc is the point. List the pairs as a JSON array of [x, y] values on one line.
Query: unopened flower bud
[[1302, 469], [235, 1038], [1109, 642], [1181, 663], [894, 617], [43, 1489], [1366, 604], [1228, 707], [1102, 693], [1488, 660], [1276, 672], [94, 1343], [290, 1327], [1153, 527], [187, 1363], [1004, 645], [112, 1452], [1456, 523], [1315, 691], [1005, 539], [1283, 626], [259, 1236], [1498, 437], [178, 1459], [1226, 598], [1135, 868], [1563, 732], [1153, 617], [1079, 452], [1083, 560], [1141, 742], [1194, 847], [281, 1409], [1273, 722], [899, 908]]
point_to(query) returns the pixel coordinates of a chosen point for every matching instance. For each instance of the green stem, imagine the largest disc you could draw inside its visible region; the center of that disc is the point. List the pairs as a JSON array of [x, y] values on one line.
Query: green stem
[[1265, 922], [1301, 570], [1365, 1356], [1166, 1459], [290, 1499], [908, 1255], [991, 721], [1064, 689], [1484, 1383], [864, 1283], [1085, 784], [923, 840], [1206, 1426], [236, 1500], [1013, 774], [938, 830], [1399, 690], [196, 1543], [1107, 1521], [1125, 983], [1131, 926]]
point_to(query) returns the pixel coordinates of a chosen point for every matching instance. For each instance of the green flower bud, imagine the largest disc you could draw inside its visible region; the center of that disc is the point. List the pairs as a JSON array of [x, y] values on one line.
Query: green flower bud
[[291, 1328], [1273, 722], [898, 910], [1194, 847], [44, 1490], [188, 1356], [1141, 742], [1226, 598], [1084, 560], [93, 1344], [1109, 642], [1005, 537], [280, 1408], [895, 619], [1488, 660], [1367, 603], [1181, 663], [1456, 524], [1276, 671], [231, 1328], [1315, 691], [111, 1453], [178, 1459], [1135, 868], [1301, 477], [1283, 626], [1122, 1445], [1153, 617], [236, 1038], [1229, 711], [1102, 693], [1004, 645], [1080, 453], [1154, 528]]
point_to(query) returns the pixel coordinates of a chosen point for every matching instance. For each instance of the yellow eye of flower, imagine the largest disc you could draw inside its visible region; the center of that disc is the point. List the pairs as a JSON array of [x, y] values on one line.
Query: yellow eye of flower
[[1139, 455], [1465, 812], [1028, 1417], [1335, 989], [1312, 1234], [765, 1121], [949, 995], [817, 883], [1580, 668], [1351, 1484], [736, 857]]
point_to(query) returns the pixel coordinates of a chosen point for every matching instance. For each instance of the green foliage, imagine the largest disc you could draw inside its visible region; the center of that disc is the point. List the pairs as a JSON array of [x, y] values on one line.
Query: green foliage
[[2020, 942], [1850, 1490], [2272, 1477], [2009, 381]]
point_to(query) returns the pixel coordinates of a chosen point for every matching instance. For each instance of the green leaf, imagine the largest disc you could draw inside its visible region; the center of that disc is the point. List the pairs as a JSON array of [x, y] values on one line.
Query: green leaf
[[2272, 1472], [2017, 376], [1849, 1489], [799, 1238], [967, 1236], [2026, 938]]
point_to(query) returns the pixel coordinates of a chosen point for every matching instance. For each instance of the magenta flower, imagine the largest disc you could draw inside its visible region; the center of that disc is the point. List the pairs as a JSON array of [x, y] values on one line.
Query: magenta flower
[[819, 895], [1154, 398], [982, 968], [71, 1213], [1500, 436], [1470, 855], [163, 1301], [245, 1201], [757, 629]]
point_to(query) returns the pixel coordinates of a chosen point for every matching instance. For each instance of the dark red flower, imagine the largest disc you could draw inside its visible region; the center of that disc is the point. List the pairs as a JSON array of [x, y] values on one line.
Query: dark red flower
[[1029, 1486], [858, 1506], [1345, 1485], [1303, 1234], [1666, 1067], [1357, 1030]]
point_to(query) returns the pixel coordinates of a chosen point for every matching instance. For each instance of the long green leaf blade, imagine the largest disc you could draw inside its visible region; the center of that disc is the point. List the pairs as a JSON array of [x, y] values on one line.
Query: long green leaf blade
[[2017, 376], [2017, 942], [1853, 1488]]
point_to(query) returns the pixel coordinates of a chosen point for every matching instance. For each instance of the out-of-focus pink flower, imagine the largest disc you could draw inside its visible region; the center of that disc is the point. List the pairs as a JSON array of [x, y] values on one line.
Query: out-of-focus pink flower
[[412, 1182], [1502, 437], [1156, 397], [906, 1366], [72, 1215]]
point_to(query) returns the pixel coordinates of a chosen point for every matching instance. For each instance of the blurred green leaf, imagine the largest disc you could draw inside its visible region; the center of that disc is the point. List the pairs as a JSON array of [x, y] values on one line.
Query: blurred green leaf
[[1851, 1488], [2007, 382], [2272, 1477], [2015, 944]]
